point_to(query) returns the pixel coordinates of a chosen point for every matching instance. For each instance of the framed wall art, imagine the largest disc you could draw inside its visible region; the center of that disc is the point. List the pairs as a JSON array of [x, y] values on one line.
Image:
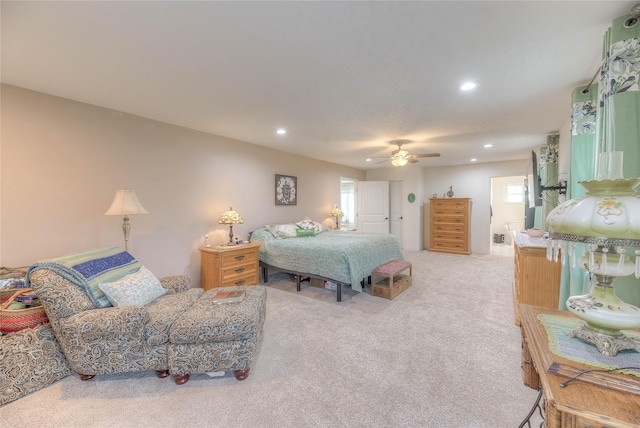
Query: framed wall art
[[286, 190]]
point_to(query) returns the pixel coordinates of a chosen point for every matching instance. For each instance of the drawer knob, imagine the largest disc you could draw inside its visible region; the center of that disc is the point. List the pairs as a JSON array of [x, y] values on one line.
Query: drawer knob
[[241, 282], [239, 270], [239, 257]]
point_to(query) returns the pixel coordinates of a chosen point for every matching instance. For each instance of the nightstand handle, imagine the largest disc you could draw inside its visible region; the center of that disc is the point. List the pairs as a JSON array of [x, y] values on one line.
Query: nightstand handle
[[240, 282], [239, 270], [239, 257]]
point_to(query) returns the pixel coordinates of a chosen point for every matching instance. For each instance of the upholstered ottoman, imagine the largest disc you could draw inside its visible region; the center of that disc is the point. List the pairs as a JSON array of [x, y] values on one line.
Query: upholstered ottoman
[[213, 337]]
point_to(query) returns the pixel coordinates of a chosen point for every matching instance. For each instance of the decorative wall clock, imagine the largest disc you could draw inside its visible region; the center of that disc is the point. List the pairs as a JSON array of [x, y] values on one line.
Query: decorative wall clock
[[286, 190]]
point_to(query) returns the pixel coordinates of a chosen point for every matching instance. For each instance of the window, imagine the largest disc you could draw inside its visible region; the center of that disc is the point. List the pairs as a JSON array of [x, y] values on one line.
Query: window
[[348, 202], [514, 193]]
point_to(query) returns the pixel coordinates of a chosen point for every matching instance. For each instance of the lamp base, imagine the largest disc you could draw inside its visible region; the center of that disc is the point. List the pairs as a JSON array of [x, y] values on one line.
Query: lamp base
[[607, 344]]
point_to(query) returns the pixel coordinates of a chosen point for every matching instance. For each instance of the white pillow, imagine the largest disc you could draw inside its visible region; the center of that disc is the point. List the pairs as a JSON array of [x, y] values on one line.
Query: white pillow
[[135, 289], [282, 231]]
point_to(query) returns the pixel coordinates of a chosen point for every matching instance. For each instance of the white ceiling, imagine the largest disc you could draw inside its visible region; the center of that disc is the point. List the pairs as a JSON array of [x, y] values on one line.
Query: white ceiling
[[344, 78]]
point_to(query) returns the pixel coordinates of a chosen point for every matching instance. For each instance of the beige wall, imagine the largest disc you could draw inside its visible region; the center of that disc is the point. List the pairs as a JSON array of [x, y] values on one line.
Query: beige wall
[[62, 162]]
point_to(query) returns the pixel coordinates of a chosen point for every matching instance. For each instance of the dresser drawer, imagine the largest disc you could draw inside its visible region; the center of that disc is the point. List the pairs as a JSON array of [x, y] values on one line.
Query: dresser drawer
[[449, 227], [449, 245], [456, 237], [449, 204]]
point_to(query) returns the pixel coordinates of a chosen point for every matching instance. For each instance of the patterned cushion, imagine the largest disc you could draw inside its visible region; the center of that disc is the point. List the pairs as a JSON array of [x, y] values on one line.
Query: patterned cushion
[[206, 321], [164, 311], [307, 223], [31, 360], [134, 289]]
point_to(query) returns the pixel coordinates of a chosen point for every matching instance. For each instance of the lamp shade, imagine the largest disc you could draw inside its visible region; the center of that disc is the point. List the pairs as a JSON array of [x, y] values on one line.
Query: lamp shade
[[230, 217], [336, 212], [609, 210], [124, 203]]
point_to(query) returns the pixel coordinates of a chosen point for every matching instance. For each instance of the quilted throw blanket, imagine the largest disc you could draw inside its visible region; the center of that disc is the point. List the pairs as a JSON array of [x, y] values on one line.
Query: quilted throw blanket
[[89, 269]]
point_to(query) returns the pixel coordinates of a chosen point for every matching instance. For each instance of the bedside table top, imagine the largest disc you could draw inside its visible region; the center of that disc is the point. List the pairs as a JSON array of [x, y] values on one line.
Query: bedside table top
[[226, 248]]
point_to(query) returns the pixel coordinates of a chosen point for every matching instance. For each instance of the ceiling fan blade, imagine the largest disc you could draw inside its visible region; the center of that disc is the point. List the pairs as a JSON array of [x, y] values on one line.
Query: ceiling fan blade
[[382, 161], [427, 155], [412, 160]]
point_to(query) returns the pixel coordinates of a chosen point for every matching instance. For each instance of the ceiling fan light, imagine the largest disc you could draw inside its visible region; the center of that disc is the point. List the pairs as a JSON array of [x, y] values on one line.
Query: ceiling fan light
[[399, 161], [402, 153]]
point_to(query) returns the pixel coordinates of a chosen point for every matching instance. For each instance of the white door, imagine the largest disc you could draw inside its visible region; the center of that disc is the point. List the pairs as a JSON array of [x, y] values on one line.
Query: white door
[[395, 208], [373, 206]]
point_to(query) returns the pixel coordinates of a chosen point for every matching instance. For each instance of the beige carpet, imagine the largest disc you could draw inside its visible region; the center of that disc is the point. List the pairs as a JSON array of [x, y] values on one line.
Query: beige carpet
[[445, 353]]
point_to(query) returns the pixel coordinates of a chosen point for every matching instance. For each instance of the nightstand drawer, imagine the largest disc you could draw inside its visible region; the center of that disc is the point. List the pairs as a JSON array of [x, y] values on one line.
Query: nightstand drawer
[[238, 258], [247, 278]]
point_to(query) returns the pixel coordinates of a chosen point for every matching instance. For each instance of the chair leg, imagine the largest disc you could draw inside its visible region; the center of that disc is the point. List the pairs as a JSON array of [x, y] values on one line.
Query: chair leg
[[242, 374], [181, 379], [162, 373], [86, 376]]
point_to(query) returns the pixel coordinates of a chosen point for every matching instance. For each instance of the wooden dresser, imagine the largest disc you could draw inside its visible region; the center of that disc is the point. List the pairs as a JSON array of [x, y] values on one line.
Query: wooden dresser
[[449, 225], [536, 280], [229, 266], [593, 400]]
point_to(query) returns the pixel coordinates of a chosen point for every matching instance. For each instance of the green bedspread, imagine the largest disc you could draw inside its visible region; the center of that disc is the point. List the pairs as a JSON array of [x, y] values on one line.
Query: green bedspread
[[346, 257]]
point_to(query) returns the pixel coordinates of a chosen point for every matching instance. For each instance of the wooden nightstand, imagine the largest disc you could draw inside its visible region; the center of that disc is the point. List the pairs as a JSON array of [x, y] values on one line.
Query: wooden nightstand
[[229, 266]]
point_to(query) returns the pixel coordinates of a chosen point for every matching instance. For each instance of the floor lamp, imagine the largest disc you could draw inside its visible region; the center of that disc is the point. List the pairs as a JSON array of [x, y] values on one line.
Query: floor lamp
[[125, 203]]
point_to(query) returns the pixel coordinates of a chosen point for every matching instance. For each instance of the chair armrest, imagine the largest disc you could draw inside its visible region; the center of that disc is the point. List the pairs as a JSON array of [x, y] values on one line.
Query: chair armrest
[[177, 283], [108, 322]]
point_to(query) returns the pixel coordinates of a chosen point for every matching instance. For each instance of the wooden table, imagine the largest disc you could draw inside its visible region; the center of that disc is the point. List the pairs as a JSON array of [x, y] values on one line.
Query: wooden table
[[583, 402]]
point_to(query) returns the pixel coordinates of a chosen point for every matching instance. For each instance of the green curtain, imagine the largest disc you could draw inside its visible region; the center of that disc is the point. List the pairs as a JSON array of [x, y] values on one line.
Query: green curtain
[[582, 167], [620, 105], [549, 173], [608, 122]]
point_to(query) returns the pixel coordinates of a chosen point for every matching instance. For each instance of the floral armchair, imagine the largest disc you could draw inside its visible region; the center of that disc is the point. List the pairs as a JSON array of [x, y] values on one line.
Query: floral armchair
[[111, 339], [109, 314]]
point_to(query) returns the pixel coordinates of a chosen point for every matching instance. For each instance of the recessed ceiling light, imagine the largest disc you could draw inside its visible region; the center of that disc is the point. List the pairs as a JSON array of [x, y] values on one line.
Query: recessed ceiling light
[[486, 146], [281, 131], [473, 160], [467, 86], [367, 160]]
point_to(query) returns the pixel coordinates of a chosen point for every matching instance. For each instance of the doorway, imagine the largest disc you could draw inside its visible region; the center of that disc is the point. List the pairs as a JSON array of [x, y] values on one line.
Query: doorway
[[507, 211]]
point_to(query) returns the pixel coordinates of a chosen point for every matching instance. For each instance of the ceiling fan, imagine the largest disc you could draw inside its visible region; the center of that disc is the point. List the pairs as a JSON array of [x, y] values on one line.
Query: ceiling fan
[[401, 157]]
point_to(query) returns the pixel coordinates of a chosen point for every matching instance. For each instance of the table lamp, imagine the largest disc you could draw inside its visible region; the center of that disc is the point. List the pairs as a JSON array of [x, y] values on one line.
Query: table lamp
[[125, 203], [337, 213], [606, 220], [230, 217]]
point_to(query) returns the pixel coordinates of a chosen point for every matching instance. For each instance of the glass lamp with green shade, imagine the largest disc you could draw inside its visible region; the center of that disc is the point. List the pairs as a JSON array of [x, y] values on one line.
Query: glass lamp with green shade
[[607, 221]]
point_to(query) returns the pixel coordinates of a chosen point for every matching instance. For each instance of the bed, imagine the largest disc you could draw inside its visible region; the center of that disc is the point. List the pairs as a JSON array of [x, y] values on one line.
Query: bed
[[337, 256]]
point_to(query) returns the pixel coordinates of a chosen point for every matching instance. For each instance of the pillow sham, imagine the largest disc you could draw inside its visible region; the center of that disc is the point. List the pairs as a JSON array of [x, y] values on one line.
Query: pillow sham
[[135, 289], [282, 231], [307, 223]]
